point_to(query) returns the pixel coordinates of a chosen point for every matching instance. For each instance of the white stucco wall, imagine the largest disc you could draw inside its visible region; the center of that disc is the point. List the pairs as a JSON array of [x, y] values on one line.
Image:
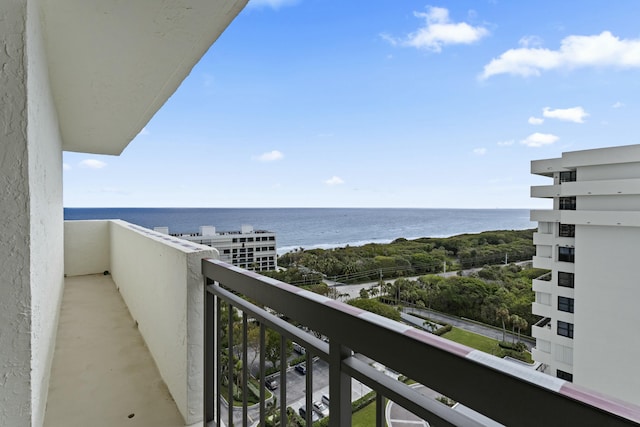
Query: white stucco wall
[[606, 351], [31, 258], [46, 212], [160, 281], [15, 256], [86, 247]]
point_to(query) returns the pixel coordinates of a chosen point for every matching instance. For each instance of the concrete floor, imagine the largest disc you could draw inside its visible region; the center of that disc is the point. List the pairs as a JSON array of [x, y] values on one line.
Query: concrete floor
[[103, 373]]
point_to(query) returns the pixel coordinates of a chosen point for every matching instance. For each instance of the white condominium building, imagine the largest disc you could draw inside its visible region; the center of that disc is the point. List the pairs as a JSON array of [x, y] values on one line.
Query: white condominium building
[[248, 248], [590, 241]]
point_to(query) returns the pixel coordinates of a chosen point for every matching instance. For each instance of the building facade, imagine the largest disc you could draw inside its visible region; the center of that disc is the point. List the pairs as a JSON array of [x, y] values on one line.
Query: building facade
[[590, 240], [248, 248]]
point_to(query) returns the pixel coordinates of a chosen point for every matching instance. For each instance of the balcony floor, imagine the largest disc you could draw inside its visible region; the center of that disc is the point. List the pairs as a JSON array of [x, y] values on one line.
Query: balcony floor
[[103, 373]]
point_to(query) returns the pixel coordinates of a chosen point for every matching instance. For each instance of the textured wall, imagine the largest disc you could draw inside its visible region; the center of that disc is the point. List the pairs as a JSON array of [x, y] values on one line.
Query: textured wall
[[31, 258], [46, 214], [160, 281], [86, 247], [15, 301]]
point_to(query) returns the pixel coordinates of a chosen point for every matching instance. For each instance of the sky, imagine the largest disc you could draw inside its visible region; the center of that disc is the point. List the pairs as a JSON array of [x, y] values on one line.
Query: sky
[[384, 103]]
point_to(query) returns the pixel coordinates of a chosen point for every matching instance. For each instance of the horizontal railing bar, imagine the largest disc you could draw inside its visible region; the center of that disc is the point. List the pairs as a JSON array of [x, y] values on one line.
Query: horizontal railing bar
[[308, 341], [498, 389], [405, 396]]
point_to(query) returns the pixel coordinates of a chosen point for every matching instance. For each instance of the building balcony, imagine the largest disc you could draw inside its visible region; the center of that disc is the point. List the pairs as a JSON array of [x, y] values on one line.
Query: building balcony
[[129, 341], [545, 262], [545, 215], [360, 345], [541, 309], [546, 239], [545, 191]]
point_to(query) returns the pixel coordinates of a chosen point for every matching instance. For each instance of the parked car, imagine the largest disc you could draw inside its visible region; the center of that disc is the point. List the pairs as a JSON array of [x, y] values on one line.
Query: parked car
[[325, 399], [298, 348], [303, 413], [302, 368], [321, 409], [271, 383]]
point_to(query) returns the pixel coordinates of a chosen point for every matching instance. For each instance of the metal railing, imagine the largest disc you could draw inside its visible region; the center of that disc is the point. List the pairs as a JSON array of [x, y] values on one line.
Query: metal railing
[[508, 393]]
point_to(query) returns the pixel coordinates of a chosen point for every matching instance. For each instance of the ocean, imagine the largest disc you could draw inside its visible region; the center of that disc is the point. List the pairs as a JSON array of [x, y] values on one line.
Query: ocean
[[320, 227]]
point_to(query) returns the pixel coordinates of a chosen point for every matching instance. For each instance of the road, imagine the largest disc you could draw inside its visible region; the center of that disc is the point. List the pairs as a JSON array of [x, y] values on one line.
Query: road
[[353, 291]]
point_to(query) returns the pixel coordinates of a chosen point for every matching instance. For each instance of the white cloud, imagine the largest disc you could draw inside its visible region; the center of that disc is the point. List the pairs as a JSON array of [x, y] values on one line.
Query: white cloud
[[480, 151], [505, 143], [438, 31], [617, 105], [602, 50], [334, 180], [539, 139], [66, 166], [92, 164], [575, 114], [270, 156], [274, 4], [535, 120]]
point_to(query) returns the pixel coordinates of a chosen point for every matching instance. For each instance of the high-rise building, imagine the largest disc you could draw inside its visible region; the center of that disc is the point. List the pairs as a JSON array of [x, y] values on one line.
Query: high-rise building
[[248, 248], [590, 241]]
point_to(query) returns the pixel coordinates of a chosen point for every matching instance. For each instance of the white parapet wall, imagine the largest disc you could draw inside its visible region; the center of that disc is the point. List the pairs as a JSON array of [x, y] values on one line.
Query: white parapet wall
[[160, 280], [86, 247]]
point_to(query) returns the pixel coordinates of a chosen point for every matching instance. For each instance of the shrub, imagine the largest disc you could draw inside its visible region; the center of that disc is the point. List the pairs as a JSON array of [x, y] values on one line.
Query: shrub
[[443, 330]]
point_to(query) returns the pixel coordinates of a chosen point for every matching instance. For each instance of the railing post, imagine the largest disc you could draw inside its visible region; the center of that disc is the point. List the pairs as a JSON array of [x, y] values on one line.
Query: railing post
[[339, 387], [380, 408], [209, 353]]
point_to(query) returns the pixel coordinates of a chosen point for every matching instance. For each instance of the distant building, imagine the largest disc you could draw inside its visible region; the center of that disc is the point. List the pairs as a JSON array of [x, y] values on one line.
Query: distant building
[[590, 241], [248, 248]]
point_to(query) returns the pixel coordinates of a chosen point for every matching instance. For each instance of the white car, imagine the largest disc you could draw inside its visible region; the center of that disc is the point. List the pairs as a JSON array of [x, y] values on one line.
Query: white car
[[321, 409]]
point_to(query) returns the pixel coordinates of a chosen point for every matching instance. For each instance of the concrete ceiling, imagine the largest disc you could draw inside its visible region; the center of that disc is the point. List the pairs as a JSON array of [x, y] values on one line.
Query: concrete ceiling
[[114, 63]]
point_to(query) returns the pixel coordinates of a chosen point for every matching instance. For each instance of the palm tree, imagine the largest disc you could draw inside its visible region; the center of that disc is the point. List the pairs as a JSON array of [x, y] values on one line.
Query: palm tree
[[502, 314]]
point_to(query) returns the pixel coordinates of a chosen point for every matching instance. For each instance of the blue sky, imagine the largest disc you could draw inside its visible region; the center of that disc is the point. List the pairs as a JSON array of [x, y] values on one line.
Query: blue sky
[[384, 103]]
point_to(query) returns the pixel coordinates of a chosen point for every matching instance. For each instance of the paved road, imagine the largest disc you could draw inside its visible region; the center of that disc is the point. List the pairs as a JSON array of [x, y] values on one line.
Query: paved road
[[353, 291], [468, 325]]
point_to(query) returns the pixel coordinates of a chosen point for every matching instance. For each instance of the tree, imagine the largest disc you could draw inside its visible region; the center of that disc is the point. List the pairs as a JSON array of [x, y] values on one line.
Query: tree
[[272, 347], [364, 293], [377, 307], [518, 323], [502, 314]]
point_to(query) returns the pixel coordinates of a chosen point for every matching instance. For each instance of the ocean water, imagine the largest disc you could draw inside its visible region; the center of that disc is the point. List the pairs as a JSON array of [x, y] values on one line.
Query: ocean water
[[320, 227]]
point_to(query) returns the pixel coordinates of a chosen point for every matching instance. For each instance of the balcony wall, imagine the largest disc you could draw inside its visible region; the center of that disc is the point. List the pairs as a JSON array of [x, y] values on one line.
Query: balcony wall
[[545, 215], [159, 279], [545, 191]]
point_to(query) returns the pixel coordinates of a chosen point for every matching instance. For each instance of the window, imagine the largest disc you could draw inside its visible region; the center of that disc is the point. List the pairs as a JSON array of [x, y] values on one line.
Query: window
[[565, 329], [567, 230], [569, 176], [564, 375], [226, 251], [565, 304], [567, 203], [234, 240], [243, 239], [565, 279], [250, 239], [566, 254], [272, 238]]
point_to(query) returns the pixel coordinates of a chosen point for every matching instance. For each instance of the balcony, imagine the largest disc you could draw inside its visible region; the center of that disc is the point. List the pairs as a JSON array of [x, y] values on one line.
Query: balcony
[[129, 341], [545, 191], [356, 343]]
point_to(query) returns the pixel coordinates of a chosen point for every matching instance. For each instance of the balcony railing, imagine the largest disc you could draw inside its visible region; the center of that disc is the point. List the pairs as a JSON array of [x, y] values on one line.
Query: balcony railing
[[545, 277], [501, 390]]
